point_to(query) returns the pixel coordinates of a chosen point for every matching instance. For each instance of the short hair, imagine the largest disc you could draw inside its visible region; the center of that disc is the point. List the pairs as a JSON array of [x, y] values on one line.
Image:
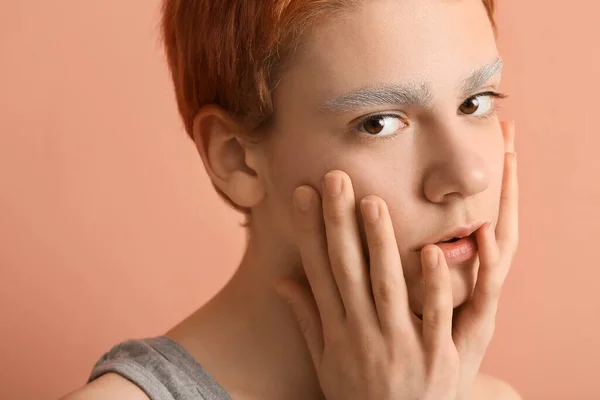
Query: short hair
[[232, 52]]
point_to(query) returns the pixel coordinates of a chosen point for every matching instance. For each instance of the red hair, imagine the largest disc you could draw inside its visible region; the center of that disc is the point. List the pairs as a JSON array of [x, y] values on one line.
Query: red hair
[[231, 52]]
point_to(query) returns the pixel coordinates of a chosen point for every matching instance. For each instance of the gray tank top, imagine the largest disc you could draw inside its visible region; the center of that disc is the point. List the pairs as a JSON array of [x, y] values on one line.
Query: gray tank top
[[160, 367]]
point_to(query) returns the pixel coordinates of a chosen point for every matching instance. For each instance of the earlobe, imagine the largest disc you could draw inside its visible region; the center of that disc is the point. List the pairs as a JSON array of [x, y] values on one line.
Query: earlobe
[[245, 191], [230, 164]]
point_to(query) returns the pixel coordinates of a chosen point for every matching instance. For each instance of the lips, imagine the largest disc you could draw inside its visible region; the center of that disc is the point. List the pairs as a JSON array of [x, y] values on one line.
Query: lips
[[450, 241], [458, 244], [458, 233], [460, 250]]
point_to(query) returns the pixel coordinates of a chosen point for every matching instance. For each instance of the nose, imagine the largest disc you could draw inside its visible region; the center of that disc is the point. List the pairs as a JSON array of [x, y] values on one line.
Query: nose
[[456, 169]]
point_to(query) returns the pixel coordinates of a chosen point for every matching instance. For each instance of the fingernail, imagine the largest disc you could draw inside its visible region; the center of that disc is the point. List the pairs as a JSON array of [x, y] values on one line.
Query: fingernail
[[333, 184], [370, 210], [432, 257], [303, 198]]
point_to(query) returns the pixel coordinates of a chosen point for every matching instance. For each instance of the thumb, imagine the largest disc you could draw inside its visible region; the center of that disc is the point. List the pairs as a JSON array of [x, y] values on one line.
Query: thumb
[[306, 313]]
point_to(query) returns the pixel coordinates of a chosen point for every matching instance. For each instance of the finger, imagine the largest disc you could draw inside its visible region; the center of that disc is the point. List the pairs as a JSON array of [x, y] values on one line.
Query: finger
[[345, 249], [306, 314], [437, 304], [508, 132], [308, 219], [507, 228], [387, 277], [474, 323], [491, 275]]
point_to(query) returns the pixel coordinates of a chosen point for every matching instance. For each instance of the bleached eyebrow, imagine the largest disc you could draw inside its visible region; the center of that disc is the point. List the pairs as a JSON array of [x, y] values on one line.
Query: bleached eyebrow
[[480, 76], [406, 95]]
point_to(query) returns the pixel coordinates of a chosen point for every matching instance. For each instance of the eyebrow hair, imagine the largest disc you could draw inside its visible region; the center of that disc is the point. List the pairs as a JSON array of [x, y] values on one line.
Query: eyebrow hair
[[416, 95], [400, 94], [480, 76]]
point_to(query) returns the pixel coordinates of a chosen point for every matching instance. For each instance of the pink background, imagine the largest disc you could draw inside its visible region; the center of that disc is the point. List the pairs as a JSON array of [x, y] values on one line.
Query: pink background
[[109, 228]]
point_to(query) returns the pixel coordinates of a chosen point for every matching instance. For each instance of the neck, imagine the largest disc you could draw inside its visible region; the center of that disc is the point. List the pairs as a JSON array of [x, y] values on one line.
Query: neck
[[246, 336]]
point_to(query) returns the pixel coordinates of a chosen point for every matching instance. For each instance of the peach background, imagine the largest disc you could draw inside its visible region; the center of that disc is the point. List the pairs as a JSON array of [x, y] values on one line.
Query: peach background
[[110, 229]]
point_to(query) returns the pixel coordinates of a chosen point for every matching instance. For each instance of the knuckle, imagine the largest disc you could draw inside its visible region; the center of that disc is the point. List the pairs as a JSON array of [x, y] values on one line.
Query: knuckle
[[448, 359], [378, 241], [487, 307], [366, 349], [435, 289], [343, 272], [416, 357], [383, 290], [334, 339], [435, 317], [336, 215], [491, 294], [478, 341], [407, 335]]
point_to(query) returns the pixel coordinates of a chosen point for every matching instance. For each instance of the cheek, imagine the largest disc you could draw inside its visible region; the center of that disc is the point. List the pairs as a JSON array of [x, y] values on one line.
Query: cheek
[[293, 159], [300, 162]]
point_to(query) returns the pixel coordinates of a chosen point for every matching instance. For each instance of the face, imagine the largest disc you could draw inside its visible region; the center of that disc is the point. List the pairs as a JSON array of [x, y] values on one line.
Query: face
[[388, 94]]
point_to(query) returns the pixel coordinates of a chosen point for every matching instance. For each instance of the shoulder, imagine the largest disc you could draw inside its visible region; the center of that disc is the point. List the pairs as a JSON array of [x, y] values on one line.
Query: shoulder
[[491, 388], [107, 387]]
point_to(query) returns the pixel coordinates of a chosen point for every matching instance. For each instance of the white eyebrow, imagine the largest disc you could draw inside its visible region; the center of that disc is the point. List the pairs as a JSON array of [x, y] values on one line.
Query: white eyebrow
[[414, 95], [406, 95], [480, 76]]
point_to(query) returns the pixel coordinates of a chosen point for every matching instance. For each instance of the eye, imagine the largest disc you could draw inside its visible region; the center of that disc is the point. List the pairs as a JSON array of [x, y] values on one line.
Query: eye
[[381, 125], [480, 104]]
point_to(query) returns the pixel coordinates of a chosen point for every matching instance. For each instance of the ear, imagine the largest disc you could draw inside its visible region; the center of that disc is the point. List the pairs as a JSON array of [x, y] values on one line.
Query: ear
[[231, 163]]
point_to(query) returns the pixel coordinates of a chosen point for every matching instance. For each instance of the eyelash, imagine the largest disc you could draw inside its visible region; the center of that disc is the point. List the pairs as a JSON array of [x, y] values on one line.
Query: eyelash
[[495, 107], [492, 113]]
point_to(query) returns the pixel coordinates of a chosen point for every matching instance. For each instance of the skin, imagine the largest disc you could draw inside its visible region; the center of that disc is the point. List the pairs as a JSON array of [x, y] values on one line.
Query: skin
[[438, 168], [442, 171]]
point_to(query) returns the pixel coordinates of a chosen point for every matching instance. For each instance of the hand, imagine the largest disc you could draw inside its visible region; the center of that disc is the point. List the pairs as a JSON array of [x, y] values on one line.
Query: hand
[[364, 341], [474, 323]]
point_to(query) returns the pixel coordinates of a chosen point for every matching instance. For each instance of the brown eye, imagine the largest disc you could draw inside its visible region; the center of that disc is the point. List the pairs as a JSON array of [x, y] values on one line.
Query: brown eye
[[470, 106], [479, 105], [381, 125], [374, 125]]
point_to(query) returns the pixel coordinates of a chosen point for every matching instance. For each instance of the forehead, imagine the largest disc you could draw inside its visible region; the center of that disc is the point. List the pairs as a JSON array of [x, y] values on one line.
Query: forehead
[[392, 42]]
